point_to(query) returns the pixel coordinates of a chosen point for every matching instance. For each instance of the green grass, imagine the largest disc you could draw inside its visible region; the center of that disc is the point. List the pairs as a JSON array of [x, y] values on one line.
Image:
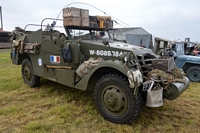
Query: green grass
[[56, 108]]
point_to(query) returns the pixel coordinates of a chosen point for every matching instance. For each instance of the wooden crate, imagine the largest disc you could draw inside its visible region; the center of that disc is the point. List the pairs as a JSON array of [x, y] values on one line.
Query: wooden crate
[[165, 64], [71, 12], [72, 21], [85, 13], [85, 22], [75, 12], [75, 21]]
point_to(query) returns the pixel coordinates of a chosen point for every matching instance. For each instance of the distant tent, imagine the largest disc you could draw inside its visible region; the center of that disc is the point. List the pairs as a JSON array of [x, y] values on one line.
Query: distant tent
[[4, 39], [136, 36], [4, 36]]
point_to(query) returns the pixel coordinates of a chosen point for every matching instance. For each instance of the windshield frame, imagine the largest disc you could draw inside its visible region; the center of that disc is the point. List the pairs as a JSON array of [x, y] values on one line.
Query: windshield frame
[[91, 33]]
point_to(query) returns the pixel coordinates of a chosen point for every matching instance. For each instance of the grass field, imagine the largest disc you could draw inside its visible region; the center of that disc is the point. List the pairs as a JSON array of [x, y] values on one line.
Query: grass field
[[56, 108]]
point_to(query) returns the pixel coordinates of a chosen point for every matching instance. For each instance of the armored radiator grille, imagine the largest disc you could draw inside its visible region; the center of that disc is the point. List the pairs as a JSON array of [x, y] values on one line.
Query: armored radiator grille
[[145, 62]]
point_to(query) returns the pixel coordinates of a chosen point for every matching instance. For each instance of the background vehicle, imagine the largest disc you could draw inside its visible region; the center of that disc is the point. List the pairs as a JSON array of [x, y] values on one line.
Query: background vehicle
[[116, 71], [190, 64]]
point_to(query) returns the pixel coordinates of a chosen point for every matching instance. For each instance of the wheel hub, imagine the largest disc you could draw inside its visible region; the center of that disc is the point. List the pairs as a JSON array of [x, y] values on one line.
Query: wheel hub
[[195, 74], [113, 99], [27, 73]]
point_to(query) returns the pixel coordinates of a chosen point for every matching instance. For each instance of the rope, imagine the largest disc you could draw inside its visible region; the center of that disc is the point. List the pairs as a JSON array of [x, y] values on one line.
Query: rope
[[93, 7], [166, 78]]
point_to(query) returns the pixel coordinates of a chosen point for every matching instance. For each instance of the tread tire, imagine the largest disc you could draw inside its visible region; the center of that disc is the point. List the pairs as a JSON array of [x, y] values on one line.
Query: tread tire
[[193, 73], [28, 74], [114, 84]]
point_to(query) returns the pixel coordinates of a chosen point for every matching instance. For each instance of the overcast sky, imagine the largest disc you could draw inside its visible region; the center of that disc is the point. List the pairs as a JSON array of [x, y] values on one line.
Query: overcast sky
[[172, 19]]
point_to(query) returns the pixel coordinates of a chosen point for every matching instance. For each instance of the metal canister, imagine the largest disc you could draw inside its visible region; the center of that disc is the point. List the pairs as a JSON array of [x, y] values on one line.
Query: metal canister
[[176, 89]]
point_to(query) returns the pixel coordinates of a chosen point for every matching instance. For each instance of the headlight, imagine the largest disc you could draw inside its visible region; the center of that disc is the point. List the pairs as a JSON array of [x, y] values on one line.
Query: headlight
[[121, 57], [126, 56]]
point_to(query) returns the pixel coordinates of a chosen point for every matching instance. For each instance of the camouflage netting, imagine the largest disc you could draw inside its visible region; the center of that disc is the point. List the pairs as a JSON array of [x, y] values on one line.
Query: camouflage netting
[[17, 37], [88, 65], [175, 75]]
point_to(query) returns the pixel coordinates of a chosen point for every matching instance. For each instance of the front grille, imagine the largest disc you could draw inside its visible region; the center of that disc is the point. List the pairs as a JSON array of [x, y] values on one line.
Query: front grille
[[145, 62]]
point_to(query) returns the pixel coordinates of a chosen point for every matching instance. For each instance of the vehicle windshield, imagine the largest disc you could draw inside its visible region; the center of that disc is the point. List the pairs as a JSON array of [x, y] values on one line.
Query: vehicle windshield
[[88, 34]]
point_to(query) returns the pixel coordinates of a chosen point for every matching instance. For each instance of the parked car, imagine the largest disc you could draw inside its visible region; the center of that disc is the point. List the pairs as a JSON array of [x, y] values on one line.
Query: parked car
[[188, 63]]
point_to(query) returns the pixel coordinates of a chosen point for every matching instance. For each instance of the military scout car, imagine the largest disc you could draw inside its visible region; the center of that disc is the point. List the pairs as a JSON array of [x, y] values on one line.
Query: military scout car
[[88, 57]]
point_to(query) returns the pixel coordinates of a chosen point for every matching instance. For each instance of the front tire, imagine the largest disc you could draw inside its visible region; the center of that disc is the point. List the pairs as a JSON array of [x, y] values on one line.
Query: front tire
[[28, 74], [193, 74], [115, 99]]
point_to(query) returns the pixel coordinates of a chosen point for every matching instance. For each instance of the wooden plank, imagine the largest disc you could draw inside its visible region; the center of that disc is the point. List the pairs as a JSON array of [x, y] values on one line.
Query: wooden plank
[[31, 51], [32, 44], [28, 46], [5, 45], [59, 67]]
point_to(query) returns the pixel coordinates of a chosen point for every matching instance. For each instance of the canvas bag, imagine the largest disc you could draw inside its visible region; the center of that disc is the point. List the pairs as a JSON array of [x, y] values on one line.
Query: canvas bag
[[66, 53]]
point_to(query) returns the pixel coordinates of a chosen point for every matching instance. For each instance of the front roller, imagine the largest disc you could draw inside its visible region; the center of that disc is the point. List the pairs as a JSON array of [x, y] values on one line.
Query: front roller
[[176, 89]]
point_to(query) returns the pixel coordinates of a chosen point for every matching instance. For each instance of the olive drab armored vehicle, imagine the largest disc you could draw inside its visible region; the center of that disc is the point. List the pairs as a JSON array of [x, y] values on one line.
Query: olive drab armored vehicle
[[88, 56]]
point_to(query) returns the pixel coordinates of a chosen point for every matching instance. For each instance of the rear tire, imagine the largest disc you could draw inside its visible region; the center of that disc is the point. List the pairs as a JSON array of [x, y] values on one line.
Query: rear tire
[[28, 74], [115, 99], [193, 74]]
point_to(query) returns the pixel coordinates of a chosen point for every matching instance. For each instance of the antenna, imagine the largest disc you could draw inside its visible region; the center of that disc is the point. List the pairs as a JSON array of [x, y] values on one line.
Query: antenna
[[1, 19]]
